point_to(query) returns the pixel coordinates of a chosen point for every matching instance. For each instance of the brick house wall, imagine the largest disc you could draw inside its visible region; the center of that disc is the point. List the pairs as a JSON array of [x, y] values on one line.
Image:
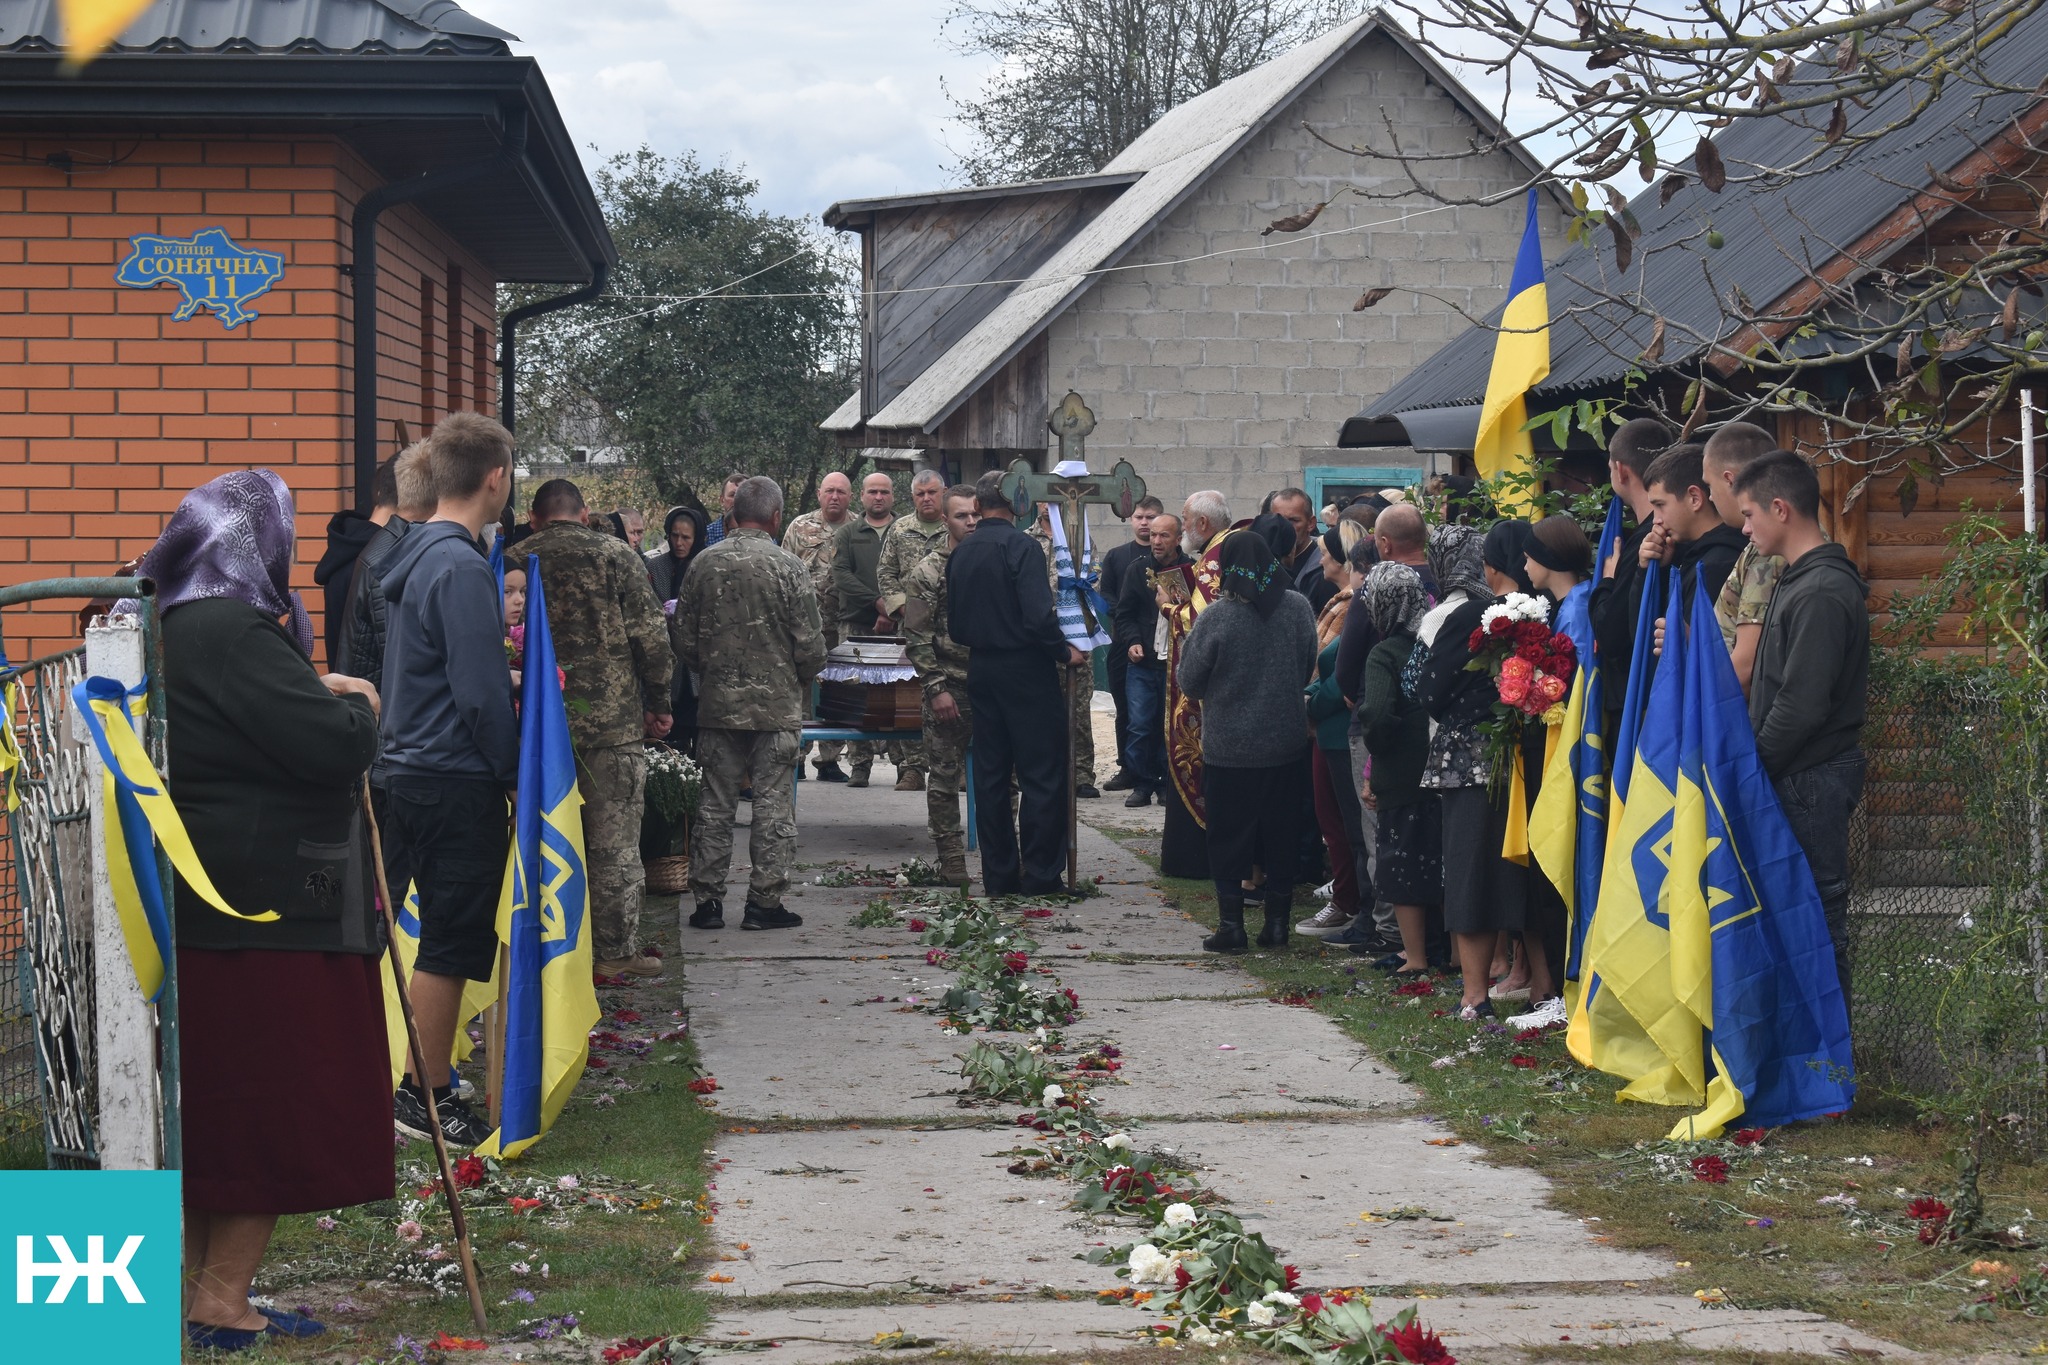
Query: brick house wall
[[110, 411], [1237, 372]]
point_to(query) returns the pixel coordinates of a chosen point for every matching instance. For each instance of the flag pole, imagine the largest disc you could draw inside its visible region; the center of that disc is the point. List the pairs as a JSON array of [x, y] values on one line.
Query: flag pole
[[420, 1072]]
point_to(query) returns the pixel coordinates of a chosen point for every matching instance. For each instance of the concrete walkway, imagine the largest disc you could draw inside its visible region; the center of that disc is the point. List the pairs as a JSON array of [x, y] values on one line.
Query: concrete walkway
[[862, 1193]]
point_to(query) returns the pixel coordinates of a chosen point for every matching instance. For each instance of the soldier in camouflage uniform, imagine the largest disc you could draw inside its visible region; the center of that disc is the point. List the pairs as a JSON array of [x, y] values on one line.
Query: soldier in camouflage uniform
[[942, 671], [809, 538], [747, 624], [612, 645], [1081, 718], [909, 540]]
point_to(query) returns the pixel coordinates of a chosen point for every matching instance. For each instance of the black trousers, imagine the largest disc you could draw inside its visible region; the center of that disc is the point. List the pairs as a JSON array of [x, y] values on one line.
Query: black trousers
[[1020, 729], [1119, 665], [1818, 802]]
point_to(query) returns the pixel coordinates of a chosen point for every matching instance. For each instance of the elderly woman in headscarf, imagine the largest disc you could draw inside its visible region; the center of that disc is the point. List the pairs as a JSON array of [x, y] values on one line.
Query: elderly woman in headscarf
[[286, 1079], [1485, 894], [1244, 661], [1396, 730], [682, 534]]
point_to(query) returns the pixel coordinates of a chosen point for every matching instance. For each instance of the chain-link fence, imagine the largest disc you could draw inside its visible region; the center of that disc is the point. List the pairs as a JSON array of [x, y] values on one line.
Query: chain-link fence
[[1946, 856]]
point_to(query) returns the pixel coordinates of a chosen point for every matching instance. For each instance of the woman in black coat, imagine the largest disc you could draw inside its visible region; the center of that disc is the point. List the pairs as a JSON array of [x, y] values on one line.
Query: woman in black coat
[[682, 535]]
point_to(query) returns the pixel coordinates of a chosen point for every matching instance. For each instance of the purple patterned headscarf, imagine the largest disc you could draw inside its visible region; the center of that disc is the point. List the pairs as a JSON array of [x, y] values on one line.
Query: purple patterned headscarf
[[231, 537]]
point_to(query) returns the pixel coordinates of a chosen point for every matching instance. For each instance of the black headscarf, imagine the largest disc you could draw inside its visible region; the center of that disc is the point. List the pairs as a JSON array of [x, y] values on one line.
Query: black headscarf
[[1278, 533], [1507, 546], [1250, 571], [666, 568]]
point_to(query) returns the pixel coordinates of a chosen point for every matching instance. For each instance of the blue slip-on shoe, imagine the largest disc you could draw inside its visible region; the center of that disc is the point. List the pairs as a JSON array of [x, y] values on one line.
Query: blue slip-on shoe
[[209, 1338], [286, 1324]]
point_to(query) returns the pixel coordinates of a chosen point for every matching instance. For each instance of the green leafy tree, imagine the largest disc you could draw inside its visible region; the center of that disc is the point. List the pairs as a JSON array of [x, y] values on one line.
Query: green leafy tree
[[727, 334]]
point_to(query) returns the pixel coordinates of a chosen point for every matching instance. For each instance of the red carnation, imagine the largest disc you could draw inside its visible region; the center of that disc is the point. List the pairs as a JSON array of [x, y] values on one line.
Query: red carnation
[[1417, 1346], [1419, 986], [1181, 1278], [1933, 1217], [1525, 1063], [1500, 625], [1529, 1035], [469, 1173], [1476, 641], [1015, 964], [1748, 1137], [1712, 1169], [917, 926], [1311, 1304], [1292, 1275]]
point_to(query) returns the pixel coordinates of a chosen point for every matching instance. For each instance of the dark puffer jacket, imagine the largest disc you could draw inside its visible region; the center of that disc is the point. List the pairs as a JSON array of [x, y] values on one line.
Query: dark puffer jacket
[[363, 634]]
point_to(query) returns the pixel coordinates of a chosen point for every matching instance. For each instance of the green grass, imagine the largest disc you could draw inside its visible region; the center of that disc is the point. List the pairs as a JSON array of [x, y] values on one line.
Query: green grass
[[623, 1271], [1608, 1160]]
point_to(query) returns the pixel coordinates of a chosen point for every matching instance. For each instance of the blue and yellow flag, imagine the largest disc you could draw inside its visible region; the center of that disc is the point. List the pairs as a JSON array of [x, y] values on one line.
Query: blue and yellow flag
[[10, 740], [1631, 1022], [1521, 358], [91, 25], [477, 996], [1568, 827], [138, 815], [549, 998], [1750, 947]]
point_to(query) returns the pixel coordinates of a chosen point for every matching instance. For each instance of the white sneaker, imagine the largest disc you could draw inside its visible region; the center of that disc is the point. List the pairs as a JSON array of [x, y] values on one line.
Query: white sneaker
[[1327, 920], [1545, 1015], [1326, 890]]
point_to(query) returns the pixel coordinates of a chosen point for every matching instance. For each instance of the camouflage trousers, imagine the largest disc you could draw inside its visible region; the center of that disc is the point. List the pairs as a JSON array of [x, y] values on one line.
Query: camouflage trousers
[[1082, 718], [614, 788], [766, 761], [945, 750]]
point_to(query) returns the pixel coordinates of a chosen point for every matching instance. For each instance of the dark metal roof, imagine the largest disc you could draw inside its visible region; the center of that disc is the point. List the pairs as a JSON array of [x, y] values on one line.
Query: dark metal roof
[[412, 85], [842, 214], [1775, 226], [271, 27]]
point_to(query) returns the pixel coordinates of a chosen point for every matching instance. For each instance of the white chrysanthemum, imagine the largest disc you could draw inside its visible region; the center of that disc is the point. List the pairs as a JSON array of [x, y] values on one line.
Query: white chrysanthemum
[[1052, 1096], [1202, 1336], [1148, 1265], [1259, 1314], [1181, 1215], [1117, 1142], [1283, 1298]]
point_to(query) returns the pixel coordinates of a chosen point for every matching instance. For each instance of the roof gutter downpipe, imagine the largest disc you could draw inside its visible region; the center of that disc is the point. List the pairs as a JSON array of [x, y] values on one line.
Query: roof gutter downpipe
[[508, 338], [368, 209]]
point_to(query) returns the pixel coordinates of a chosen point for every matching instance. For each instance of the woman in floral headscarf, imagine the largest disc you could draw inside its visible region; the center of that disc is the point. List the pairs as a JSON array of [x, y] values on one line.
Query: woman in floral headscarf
[[286, 1079], [1244, 661], [1485, 894], [1396, 729]]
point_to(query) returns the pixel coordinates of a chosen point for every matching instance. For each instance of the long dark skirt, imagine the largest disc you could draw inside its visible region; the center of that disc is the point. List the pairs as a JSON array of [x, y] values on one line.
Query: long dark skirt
[[1184, 849], [1411, 853], [287, 1080], [1255, 820], [1483, 892]]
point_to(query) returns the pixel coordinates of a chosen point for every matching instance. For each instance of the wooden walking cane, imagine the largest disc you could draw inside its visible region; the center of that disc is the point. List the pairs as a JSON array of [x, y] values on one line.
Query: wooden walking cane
[[425, 1076]]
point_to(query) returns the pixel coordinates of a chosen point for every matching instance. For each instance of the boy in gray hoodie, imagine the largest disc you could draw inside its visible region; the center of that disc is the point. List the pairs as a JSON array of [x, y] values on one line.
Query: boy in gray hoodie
[[451, 745], [1812, 674]]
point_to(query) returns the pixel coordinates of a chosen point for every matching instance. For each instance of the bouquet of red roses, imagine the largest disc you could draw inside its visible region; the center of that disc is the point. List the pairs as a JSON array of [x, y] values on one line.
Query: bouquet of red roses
[[1532, 669]]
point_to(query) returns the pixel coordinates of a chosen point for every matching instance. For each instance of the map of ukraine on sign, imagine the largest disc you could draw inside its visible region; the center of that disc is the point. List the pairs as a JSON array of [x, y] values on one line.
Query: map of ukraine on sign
[[210, 271]]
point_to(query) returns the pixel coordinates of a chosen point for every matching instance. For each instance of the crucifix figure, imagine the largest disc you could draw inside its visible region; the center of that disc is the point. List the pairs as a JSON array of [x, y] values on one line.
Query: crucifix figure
[[1069, 490]]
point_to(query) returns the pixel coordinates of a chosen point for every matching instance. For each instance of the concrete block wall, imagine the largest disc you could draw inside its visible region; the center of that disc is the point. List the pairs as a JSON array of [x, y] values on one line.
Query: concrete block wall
[[1222, 372], [111, 410]]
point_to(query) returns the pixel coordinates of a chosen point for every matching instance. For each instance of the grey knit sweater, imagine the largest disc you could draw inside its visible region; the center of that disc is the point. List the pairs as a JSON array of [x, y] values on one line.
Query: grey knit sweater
[[1249, 674]]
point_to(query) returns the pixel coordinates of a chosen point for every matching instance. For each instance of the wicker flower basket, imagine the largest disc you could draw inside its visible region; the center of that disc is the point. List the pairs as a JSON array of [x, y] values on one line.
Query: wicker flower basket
[[668, 876]]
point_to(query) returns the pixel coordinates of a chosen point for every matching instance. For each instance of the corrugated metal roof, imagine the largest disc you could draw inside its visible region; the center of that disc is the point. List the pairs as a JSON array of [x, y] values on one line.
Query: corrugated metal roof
[[1774, 226], [1172, 157], [328, 27], [840, 214]]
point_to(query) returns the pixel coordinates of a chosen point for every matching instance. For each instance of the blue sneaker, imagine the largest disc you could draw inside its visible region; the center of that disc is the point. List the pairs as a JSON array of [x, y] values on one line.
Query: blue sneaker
[[1360, 930]]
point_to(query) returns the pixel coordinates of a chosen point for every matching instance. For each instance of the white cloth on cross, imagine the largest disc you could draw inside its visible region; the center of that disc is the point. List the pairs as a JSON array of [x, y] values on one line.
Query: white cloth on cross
[[1067, 599]]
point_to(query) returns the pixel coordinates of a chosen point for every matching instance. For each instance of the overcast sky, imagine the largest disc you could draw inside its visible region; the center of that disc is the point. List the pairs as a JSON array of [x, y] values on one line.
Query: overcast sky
[[817, 99]]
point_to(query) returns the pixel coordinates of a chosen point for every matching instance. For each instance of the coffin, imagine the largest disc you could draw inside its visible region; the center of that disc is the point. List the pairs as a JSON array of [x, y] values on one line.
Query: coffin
[[868, 683]]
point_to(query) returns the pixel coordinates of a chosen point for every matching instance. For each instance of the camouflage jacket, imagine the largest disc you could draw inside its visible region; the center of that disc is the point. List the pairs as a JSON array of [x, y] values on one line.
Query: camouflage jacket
[[809, 538], [903, 549], [746, 624], [941, 662], [610, 639]]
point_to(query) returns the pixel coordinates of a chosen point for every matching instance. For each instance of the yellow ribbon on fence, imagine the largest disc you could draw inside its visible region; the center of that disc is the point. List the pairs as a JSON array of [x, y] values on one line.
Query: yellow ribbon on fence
[[137, 804]]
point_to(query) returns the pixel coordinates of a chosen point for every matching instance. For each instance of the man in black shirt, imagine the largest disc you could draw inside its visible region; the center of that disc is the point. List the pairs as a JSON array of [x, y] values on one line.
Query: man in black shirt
[[1696, 541], [1619, 593], [1116, 564], [1001, 607]]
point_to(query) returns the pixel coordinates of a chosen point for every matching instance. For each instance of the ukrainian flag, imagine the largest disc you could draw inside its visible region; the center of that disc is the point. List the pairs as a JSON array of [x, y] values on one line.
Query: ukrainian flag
[[1750, 948], [549, 998], [1631, 1022], [1521, 358], [90, 25], [1568, 827], [477, 996]]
